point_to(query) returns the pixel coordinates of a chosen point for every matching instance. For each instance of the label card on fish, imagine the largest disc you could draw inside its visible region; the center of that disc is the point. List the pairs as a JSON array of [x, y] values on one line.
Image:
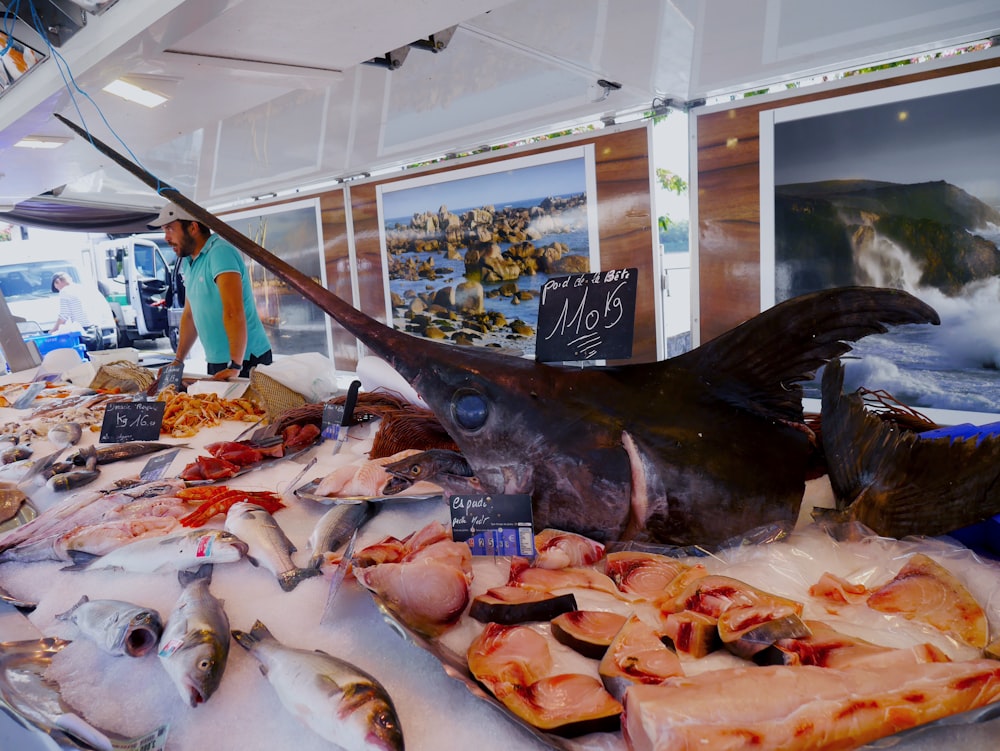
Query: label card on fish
[[157, 466], [170, 376], [155, 740], [132, 421], [493, 524], [587, 316]]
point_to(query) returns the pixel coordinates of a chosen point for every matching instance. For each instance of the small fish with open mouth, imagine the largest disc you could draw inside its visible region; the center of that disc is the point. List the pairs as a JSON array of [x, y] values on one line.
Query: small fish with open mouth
[[194, 647], [335, 699], [117, 627]]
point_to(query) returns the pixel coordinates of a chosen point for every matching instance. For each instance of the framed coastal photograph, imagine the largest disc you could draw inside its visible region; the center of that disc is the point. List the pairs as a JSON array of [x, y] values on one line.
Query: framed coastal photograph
[[293, 232], [466, 252], [900, 188]]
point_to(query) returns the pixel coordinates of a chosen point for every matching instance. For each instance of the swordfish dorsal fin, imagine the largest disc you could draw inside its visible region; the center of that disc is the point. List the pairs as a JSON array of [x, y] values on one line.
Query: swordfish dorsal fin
[[766, 358]]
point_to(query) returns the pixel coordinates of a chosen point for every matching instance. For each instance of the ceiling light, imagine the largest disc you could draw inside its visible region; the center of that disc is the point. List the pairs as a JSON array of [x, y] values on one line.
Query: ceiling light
[[41, 142], [122, 88]]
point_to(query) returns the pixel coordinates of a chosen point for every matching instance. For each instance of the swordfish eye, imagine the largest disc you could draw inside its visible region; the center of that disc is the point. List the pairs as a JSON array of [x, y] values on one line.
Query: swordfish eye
[[469, 409]]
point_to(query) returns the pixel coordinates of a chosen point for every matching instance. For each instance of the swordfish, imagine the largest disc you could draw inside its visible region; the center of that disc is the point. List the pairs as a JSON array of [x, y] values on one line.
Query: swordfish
[[693, 450]]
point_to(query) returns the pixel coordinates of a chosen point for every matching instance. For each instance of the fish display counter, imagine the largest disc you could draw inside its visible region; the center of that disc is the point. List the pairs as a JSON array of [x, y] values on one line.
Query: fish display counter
[[251, 616]]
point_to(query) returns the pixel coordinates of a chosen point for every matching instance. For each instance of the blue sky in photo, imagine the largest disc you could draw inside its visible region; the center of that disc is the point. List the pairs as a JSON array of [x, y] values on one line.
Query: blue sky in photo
[[496, 188]]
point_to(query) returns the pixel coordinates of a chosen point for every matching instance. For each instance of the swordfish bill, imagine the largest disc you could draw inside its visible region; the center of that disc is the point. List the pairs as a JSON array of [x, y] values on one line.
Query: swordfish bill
[[694, 450]]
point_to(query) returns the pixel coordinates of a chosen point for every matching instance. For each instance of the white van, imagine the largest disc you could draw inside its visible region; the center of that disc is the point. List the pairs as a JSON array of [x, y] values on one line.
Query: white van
[[138, 275]]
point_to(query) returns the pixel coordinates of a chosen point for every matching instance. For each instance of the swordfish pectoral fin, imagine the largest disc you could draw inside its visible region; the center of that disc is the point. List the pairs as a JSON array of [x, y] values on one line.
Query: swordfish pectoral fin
[[646, 489]]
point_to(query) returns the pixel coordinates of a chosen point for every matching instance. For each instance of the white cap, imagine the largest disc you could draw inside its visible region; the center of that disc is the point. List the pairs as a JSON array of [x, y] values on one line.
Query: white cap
[[171, 213]]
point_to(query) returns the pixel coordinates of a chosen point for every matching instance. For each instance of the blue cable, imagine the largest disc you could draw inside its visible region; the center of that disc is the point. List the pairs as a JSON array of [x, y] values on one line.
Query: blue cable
[[67, 76]]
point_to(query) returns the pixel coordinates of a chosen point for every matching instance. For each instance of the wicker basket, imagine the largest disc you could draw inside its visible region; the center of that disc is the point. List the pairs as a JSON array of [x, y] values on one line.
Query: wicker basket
[[273, 396], [125, 376]]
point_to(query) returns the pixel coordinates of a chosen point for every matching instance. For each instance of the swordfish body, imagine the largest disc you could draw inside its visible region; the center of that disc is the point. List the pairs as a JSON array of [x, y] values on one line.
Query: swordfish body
[[696, 449]]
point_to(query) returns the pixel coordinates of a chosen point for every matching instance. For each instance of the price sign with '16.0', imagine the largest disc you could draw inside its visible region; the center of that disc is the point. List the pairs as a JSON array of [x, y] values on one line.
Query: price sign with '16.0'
[[132, 421]]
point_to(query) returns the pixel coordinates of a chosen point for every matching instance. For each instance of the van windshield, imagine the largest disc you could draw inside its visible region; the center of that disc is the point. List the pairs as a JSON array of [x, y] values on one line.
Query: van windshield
[[28, 280]]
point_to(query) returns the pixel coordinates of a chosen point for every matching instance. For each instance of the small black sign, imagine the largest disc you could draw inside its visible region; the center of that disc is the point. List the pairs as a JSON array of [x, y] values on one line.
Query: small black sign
[[132, 421], [157, 466], [171, 375], [337, 417], [493, 524], [333, 417], [587, 316]]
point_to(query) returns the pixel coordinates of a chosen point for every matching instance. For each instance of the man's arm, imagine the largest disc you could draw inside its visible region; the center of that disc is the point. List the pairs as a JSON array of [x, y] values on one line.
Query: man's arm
[[186, 334], [234, 319]]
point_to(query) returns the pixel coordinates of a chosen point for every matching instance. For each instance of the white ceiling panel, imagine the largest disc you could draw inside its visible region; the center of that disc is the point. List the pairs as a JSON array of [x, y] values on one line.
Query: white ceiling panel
[[266, 97]]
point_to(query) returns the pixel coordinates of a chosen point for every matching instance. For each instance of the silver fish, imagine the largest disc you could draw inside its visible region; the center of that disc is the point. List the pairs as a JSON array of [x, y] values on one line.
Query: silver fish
[[335, 699], [183, 550], [117, 627], [268, 544], [65, 434], [121, 451], [16, 454], [336, 526], [72, 480], [194, 647]]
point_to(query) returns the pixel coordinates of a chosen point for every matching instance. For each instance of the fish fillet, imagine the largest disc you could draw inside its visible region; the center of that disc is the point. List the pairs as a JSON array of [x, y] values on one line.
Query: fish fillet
[[803, 708]]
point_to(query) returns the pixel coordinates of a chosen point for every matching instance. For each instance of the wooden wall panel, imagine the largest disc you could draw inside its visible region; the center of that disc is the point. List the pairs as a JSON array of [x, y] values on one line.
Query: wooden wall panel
[[728, 172], [624, 226]]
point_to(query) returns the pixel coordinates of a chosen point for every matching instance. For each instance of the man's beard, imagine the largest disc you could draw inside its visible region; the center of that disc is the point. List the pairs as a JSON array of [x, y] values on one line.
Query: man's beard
[[185, 246]]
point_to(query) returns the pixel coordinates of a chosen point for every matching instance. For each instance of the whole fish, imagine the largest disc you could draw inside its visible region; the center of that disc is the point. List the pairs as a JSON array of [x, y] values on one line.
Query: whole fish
[[182, 550], [65, 434], [696, 449], [16, 454], [336, 526], [335, 699], [72, 480], [99, 538], [194, 647], [80, 509], [267, 543], [120, 451], [119, 628], [445, 468]]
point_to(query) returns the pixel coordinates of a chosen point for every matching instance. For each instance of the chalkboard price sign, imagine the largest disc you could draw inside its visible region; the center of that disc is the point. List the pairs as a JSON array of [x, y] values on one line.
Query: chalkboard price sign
[[493, 524], [132, 421], [171, 375], [587, 316]]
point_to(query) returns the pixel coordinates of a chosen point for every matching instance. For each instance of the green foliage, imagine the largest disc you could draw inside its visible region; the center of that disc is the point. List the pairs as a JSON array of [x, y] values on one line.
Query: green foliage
[[669, 181]]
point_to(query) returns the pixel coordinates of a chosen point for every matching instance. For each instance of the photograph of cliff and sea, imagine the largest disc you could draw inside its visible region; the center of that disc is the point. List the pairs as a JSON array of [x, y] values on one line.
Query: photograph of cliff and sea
[[467, 253], [904, 194]]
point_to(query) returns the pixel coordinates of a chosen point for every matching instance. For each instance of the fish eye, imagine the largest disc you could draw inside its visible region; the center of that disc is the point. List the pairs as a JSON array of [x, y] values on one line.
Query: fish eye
[[469, 409], [416, 470]]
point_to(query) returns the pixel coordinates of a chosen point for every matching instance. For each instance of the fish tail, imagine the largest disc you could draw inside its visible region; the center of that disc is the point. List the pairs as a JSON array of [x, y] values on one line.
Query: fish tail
[[290, 579], [186, 576], [69, 613], [249, 639], [81, 560]]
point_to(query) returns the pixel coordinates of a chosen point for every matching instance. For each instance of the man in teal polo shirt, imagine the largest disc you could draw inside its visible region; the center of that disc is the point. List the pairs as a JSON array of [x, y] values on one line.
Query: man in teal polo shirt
[[218, 307]]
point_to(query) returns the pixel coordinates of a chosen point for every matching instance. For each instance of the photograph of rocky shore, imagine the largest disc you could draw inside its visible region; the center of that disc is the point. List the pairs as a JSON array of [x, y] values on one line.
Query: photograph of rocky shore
[[904, 194], [467, 256]]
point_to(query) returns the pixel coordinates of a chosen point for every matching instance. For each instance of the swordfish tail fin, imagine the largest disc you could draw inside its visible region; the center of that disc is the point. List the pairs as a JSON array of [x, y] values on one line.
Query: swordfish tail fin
[[896, 482], [767, 357]]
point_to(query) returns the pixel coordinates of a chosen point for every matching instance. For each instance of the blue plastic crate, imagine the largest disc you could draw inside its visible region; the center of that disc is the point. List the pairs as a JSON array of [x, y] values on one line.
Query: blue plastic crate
[[48, 342]]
